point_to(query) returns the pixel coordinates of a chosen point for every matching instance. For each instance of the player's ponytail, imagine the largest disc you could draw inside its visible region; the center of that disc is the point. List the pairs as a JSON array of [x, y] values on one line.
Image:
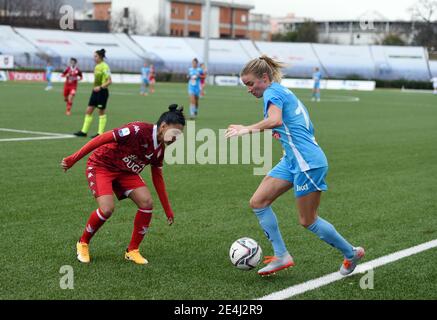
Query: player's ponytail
[[264, 64], [101, 53], [174, 115]]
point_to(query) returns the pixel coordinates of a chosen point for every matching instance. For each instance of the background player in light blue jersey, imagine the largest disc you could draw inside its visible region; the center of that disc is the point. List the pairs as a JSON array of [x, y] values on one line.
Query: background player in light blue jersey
[[49, 72], [145, 73], [317, 77], [194, 75], [303, 167]]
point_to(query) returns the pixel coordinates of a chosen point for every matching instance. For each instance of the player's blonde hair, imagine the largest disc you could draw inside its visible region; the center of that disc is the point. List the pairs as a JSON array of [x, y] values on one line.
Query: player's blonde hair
[[264, 64]]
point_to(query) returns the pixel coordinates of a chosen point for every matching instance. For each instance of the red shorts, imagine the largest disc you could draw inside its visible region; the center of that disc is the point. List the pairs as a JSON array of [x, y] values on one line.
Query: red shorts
[[104, 182], [69, 90]]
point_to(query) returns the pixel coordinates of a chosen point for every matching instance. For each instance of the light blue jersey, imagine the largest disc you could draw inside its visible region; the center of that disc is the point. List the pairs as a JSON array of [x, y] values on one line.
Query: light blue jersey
[[194, 80], [145, 73], [296, 132], [317, 77], [49, 71]]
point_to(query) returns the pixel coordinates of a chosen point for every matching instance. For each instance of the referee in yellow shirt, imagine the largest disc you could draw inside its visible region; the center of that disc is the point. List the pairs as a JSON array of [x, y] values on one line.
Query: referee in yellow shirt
[[99, 96]]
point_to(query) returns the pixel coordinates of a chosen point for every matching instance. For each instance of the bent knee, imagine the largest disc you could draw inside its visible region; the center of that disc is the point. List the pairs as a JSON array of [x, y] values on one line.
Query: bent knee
[[307, 221], [257, 203], [145, 204], [107, 211]]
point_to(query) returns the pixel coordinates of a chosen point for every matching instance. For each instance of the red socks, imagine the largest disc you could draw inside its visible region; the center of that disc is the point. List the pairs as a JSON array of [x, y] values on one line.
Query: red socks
[[96, 220], [141, 224]]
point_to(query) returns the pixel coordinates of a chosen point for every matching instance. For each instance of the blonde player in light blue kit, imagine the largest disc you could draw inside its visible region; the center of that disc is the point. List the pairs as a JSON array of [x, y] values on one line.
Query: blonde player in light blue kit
[[303, 167]]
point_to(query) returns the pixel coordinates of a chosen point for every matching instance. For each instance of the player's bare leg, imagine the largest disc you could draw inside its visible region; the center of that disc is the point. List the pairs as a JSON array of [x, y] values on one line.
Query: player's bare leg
[[95, 221], [268, 191], [307, 208], [143, 199], [69, 104]]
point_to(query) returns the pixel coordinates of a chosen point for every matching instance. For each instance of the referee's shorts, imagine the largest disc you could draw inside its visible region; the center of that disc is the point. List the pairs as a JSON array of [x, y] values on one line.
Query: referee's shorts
[[99, 99]]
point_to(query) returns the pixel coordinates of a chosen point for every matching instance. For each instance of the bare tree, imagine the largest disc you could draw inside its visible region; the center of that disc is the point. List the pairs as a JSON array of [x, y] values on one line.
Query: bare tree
[[29, 11], [425, 13], [127, 21], [424, 10]]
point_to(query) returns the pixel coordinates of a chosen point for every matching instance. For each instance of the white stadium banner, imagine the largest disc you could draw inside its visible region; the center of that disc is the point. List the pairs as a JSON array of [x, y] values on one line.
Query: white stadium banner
[[226, 80], [6, 61], [88, 77], [3, 76], [330, 84]]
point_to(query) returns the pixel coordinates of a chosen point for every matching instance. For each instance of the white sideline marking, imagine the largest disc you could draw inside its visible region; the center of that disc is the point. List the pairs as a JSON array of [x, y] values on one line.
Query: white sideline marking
[[38, 138], [417, 90], [47, 135], [340, 99], [335, 276]]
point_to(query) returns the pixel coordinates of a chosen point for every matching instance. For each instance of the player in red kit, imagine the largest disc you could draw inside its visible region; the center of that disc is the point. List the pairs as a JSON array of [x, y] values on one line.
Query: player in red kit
[[72, 75], [114, 167], [152, 78]]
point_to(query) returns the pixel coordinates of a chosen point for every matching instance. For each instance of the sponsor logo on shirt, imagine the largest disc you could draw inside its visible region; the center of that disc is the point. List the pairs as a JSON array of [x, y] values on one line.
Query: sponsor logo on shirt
[[131, 164], [124, 132]]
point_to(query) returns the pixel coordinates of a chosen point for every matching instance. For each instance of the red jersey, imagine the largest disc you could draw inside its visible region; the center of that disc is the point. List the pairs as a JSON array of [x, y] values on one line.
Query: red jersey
[[136, 146], [72, 76], [152, 74]]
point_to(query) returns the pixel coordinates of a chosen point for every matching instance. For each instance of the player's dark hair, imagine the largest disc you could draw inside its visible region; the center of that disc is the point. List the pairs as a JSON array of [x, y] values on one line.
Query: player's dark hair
[[73, 59], [174, 115], [101, 53], [195, 59]]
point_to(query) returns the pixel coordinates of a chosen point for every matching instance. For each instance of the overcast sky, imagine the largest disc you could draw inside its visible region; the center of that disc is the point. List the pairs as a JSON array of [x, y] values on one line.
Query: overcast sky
[[335, 9]]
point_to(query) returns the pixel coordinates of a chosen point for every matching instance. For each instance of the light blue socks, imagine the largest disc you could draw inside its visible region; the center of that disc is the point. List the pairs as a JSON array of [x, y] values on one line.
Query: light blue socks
[[269, 223], [326, 232]]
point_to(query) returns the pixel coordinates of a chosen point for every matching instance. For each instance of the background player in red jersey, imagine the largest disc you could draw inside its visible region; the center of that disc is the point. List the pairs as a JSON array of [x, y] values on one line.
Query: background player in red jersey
[[72, 75], [152, 80], [203, 79], [114, 167]]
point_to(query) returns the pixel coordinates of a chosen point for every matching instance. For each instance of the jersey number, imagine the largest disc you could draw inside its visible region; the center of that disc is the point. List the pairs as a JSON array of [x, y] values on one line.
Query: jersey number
[[301, 110]]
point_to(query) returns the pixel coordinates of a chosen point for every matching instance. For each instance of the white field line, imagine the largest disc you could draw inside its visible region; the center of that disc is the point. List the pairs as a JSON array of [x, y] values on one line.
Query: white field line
[[38, 138], [46, 135], [417, 91], [335, 276]]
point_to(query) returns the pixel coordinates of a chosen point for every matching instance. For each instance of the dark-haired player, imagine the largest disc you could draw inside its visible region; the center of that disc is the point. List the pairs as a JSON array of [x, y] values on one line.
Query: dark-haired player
[[72, 75], [99, 96], [114, 167]]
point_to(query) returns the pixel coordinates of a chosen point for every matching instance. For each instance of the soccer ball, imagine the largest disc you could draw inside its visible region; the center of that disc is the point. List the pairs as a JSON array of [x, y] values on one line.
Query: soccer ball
[[245, 253]]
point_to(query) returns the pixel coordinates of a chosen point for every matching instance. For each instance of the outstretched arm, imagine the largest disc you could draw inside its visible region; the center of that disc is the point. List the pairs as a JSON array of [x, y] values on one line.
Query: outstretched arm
[[273, 120], [98, 141], [158, 182]]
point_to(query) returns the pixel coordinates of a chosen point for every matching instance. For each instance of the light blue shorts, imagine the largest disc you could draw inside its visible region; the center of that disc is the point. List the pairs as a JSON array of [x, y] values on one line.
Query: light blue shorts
[[194, 91], [316, 85], [303, 182]]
